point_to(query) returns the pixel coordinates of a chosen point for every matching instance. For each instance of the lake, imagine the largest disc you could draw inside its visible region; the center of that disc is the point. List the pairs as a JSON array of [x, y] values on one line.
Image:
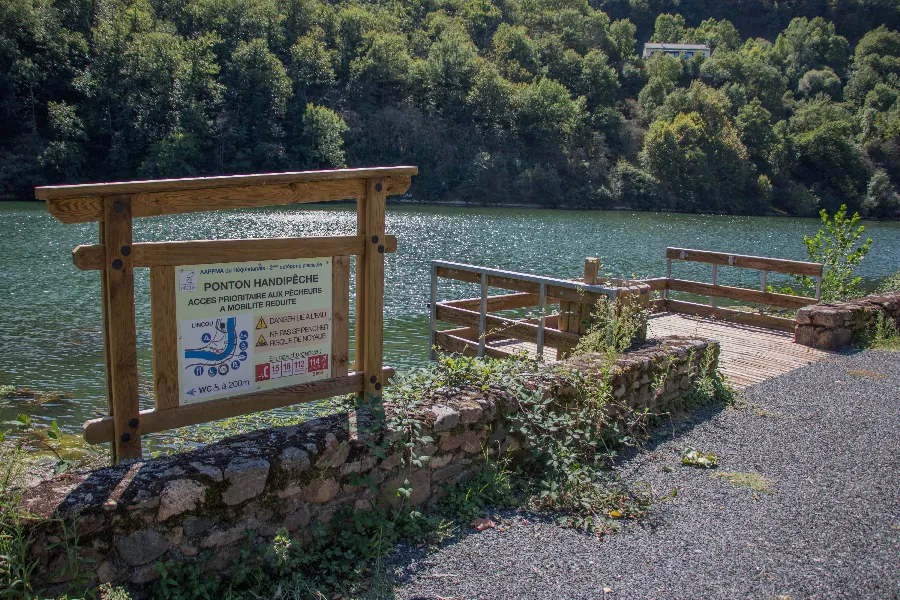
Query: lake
[[50, 317]]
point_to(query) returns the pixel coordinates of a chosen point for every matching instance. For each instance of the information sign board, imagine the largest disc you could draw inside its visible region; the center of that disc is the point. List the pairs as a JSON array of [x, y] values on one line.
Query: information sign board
[[251, 326]]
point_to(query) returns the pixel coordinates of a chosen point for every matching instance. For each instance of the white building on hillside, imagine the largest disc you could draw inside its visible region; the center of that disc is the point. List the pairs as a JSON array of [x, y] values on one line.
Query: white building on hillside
[[676, 50]]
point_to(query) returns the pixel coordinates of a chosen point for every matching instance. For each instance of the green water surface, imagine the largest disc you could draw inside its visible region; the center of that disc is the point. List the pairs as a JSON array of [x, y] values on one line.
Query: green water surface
[[50, 317]]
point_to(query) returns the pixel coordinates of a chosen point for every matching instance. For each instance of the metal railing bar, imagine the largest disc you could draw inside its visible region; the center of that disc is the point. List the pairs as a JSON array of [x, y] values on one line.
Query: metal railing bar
[[564, 283], [431, 351], [482, 318], [540, 332]]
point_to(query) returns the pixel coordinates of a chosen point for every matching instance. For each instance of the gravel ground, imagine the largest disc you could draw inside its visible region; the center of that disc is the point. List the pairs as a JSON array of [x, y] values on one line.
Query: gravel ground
[[826, 434]]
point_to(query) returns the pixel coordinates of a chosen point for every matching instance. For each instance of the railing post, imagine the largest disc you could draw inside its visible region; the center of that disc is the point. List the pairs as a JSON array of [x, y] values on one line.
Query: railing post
[[665, 293], [431, 330], [540, 332], [819, 287], [482, 321], [712, 299], [763, 286]]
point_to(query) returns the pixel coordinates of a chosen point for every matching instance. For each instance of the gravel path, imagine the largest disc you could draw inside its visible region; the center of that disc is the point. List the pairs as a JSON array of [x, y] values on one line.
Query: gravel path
[[827, 435]]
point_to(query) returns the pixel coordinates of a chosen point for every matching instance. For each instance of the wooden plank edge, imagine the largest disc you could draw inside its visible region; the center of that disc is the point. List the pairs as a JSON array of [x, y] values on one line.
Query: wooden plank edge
[[98, 431], [83, 190], [746, 261], [183, 201], [734, 316], [517, 329], [162, 254], [740, 294], [457, 345]]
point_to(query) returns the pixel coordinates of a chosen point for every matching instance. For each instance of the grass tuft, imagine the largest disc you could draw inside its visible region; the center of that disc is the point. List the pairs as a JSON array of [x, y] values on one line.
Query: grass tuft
[[748, 479]]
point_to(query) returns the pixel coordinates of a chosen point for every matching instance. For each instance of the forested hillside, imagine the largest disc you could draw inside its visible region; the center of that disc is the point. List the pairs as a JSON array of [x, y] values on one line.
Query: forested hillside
[[497, 101]]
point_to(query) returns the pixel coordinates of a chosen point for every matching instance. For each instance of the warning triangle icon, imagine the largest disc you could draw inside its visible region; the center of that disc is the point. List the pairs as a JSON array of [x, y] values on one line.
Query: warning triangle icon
[[261, 324], [261, 342]]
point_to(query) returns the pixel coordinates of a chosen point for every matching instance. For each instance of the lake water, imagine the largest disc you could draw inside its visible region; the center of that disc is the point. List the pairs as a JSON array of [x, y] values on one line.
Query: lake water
[[50, 317]]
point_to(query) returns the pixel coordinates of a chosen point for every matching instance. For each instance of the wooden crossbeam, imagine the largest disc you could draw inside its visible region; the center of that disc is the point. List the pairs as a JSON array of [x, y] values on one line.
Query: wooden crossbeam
[[740, 294], [733, 316], [761, 263], [521, 330], [158, 254]]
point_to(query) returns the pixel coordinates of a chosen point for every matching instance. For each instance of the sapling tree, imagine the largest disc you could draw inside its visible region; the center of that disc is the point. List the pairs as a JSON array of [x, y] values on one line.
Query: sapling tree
[[838, 247]]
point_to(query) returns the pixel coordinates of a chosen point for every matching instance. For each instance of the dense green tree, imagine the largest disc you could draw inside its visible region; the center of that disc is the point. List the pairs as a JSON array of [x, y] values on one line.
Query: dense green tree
[[811, 44], [324, 130], [669, 28], [256, 99]]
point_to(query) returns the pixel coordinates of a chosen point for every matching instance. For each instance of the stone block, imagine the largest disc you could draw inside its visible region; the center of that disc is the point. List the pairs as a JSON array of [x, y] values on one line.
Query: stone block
[[194, 525], [445, 418], [335, 453], [470, 413], [227, 535], [320, 490], [447, 472], [180, 496], [296, 519], [211, 471], [145, 574], [246, 478], [391, 462], [806, 335], [141, 547], [441, 460], [419, 480], [294, 460], [109, 571]]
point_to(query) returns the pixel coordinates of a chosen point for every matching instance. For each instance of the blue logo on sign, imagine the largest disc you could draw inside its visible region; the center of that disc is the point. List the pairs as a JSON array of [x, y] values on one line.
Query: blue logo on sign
[[243, 345], [206, 338], [212, 372], [198, 371], [235, 364], [244, 335], [242, 356]]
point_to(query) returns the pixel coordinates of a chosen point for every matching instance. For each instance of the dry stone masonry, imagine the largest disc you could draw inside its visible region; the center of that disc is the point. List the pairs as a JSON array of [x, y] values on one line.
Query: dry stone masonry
[[837, 325], [206, 504]]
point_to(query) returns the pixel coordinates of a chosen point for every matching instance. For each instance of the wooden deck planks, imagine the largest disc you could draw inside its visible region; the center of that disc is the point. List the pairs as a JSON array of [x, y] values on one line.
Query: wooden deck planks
[[748, 354]]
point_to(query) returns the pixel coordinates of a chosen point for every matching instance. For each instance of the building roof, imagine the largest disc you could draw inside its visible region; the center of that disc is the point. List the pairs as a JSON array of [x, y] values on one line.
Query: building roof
[[667, 46]]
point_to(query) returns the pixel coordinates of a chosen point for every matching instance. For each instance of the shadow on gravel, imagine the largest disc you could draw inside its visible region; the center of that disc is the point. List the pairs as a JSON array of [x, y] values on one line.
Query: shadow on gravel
[[407, 562], [671, 428]]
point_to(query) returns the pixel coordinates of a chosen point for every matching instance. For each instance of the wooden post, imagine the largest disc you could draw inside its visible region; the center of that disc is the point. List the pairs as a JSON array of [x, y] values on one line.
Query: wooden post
[[574, 317], [340, 316], [374, 286], [121, 327], [104, 304], [164, 329], [591, 274], [370, 303]]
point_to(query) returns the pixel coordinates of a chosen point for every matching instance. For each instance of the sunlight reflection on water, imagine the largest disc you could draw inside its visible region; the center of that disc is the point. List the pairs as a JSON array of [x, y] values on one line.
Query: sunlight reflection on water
[[51, 335]]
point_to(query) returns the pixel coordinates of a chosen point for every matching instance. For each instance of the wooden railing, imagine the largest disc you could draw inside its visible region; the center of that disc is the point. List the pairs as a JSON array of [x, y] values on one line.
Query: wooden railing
[[477, 326], [759, 297]]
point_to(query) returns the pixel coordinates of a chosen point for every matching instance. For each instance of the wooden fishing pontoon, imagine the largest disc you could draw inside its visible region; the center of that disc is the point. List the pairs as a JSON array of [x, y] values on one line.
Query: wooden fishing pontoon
[[550, 312]]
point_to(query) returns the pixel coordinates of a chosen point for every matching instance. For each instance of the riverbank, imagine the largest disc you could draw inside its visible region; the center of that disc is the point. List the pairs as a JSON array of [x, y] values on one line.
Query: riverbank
[[411, 201]]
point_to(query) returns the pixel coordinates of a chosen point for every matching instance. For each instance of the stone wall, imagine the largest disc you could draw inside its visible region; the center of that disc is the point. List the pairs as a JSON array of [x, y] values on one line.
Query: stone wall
[[837, 325], [205, 504]]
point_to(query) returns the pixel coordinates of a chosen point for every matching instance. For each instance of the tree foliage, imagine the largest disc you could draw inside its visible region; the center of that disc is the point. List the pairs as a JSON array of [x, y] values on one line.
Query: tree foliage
[[544, 101]]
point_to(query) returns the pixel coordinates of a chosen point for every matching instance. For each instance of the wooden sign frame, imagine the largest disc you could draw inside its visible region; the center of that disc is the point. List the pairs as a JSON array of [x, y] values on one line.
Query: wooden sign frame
[[115, 205]]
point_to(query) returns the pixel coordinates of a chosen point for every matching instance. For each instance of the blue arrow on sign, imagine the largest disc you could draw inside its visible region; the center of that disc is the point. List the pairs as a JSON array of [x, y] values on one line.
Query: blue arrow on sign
[[192, 392]]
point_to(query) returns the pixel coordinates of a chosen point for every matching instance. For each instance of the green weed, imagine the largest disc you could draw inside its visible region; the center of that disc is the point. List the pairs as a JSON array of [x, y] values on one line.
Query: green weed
[[754, 481]]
